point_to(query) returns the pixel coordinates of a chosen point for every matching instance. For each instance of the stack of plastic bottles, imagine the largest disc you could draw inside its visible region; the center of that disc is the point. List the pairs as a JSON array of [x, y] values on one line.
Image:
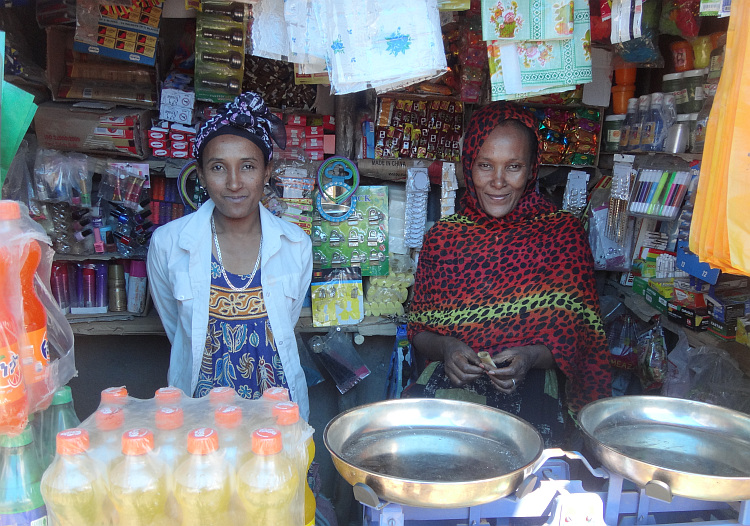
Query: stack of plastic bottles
[[217, 460], [36, 341]]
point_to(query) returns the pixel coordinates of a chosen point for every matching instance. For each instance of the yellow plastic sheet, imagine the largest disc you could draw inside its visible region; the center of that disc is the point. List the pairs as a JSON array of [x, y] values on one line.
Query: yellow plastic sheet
[[720, 234]]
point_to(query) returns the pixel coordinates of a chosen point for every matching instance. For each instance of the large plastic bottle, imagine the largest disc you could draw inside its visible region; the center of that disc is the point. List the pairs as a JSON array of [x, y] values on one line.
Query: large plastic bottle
[[203, 482], [635, 130], [267, 483], [234, 446], [137, 482], [301, 454], [168, 396], [276, 394], [36, 360], [72, 487], [170, 447], [115, 396], [13, 394], [221, 395], [59, 416], [21, 502], [630, 118], [170, 440], [654, 129], [106, 445]]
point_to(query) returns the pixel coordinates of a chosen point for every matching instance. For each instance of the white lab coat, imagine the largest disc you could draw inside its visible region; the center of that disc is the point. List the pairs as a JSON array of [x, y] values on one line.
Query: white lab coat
[[179, 271]]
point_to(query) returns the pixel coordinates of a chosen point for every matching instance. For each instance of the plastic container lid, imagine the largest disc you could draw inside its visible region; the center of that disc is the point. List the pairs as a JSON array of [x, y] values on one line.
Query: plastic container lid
[[168, 395], [266, 441], [62, 396], [169, 418], [615, 118], [72, 441], [219, 395], [109, 418], [280, 394], [202, 441], [228, 416], [671, 76], [137, 441], [24, 438], [287, 413], [115, 396], [693, 73], [9, 210]]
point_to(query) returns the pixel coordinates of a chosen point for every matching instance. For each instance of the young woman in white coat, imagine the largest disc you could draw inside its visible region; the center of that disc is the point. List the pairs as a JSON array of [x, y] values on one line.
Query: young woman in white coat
[[228, 281]]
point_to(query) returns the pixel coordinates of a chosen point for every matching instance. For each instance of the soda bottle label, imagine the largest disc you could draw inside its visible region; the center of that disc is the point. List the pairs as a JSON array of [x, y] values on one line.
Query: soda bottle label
[[11, 379], [35, 517], [39, 359]]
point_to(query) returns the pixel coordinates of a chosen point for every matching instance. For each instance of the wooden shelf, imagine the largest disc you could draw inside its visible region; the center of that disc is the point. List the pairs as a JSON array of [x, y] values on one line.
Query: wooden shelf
[[109, 256], [369, 326], [117, 324]]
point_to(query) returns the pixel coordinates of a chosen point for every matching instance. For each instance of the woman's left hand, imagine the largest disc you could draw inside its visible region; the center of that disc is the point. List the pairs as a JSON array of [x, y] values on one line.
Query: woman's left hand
[[515, 363]]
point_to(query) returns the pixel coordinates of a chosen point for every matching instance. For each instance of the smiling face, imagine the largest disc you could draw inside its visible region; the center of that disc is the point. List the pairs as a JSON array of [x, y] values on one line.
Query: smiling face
[[233, 171], [501, 169]]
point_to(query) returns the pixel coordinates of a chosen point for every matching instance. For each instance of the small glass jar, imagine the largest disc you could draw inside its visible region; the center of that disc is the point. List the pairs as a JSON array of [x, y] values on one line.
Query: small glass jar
[[693, 81], [612, 132]]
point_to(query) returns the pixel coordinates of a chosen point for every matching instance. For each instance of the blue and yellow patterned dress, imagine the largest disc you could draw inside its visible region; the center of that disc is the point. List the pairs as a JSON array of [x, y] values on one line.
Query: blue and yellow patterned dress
[[240, 351]]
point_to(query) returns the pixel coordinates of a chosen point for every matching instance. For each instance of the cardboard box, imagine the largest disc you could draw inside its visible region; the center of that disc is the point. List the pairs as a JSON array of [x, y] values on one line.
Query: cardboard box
[[688, 295], [70, 127], [695, 319], [743, 331], [130, 36], [178, 97], [725, 331], [640, 285], [179, 114], [656, 300], [664, 286], [727, 306]]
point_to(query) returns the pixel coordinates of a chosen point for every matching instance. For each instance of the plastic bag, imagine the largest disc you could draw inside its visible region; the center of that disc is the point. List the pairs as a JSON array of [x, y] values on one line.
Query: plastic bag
[[637, 42], [622, 339], [680, 18], [51, 177], [652, 358], [339, 357], [608, 255], [707, 374], [42, 363]]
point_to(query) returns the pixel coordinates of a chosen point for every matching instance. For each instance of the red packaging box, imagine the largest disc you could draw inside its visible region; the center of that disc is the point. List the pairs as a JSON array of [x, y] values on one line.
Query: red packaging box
[[161, 153], [180, 145], [315, 155], [314, 131], [158, 133], [178, 154], [329, 144], [296, 120], [314, 143], [329, 123]]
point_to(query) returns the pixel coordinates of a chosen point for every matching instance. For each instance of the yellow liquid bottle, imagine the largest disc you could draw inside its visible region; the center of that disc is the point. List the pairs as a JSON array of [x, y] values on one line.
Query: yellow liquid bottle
[[72, 488], [203, 481], [291, 426], [138, 483], [267, 483]]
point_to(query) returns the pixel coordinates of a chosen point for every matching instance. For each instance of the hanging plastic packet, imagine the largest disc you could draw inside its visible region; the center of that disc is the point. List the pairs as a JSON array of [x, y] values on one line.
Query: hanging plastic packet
[[574, 198], [652, 358], [339, 357], [337, 297], [635, 31], [51, 177], [80, 177], [417, 191]]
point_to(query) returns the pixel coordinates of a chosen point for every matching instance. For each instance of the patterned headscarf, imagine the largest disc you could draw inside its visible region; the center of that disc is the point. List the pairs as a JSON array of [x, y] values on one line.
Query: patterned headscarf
[[246, 116], [482, 123]]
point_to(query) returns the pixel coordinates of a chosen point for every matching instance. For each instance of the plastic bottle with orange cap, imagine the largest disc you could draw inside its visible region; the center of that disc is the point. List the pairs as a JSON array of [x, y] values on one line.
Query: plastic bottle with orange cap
[[267, 483], [203, 481], [228, 419], [300, 448], [72, 487], [138, 483]]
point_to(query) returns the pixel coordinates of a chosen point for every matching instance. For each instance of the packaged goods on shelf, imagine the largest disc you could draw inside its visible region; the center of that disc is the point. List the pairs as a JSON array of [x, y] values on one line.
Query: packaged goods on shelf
[[337, 297], [119, 32], [121, 131]]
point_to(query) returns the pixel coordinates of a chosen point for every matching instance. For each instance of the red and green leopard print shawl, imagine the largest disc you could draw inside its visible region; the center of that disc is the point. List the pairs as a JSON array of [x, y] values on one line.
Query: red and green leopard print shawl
[[524, 279]]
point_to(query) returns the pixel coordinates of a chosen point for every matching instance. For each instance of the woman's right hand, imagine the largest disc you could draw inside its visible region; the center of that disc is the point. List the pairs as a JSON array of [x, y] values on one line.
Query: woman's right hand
[[462, 366]]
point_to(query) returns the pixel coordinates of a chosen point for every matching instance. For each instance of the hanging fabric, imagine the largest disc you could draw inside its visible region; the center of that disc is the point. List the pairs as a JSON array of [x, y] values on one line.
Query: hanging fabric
[[720, 234]]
